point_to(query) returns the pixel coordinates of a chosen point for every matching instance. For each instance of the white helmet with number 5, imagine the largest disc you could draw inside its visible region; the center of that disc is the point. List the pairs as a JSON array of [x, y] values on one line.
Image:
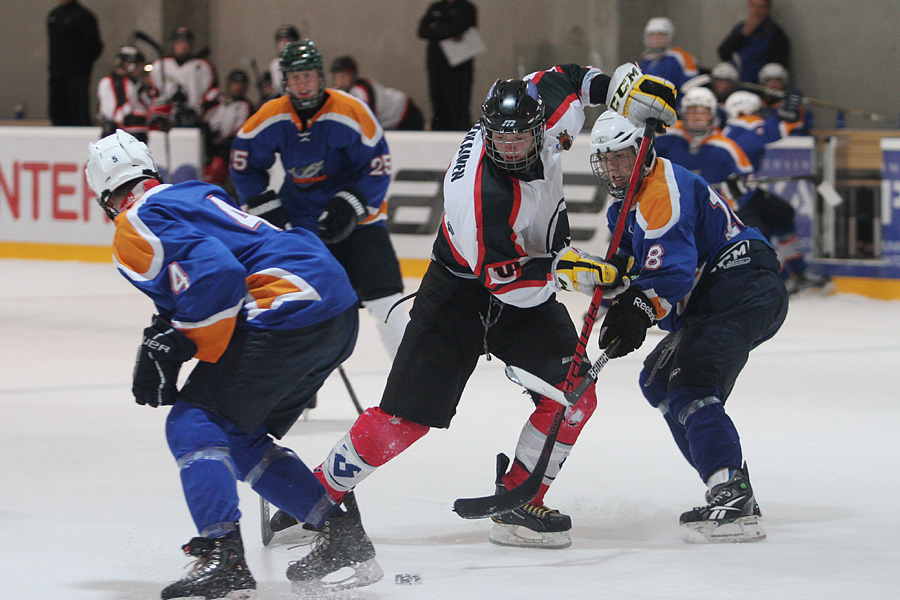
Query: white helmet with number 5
[[117, 159]]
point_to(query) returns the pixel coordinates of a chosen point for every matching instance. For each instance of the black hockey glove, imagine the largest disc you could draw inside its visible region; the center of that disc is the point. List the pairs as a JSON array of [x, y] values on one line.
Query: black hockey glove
[[627, 320], [268, 206], [159, 359], [341, 216], [789, 109]]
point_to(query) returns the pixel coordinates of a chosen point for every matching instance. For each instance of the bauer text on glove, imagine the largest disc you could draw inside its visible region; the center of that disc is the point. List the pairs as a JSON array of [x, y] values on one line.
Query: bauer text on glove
[[163, 349]]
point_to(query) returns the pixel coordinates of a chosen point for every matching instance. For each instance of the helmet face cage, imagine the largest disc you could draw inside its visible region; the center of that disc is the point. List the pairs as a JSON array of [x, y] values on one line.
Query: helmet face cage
[[513, 125], [302, 56], [114, 161], [615, 142], [702, 98]]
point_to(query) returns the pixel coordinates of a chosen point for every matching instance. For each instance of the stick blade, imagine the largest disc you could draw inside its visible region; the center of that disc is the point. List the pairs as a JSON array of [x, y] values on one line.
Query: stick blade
[[497, 504], [533, 383]]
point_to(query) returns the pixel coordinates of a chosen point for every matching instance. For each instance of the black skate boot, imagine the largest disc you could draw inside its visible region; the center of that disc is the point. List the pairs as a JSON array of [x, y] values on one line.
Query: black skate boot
[[732, 514], [220, 571], [341, 542], [531, 525]]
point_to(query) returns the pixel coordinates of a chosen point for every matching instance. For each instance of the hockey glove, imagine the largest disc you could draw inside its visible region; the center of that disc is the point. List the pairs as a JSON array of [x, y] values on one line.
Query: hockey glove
[[576, 270], [268, 206], [341, 216], [789, 108], [159, 359], [627, 320], [639, 97]]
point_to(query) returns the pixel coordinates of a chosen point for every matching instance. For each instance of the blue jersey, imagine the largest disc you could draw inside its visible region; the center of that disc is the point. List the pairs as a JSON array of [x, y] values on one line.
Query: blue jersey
[[679, 225], [748, 132], [714, 158], [674, 64], [209, 267], [341, 146]]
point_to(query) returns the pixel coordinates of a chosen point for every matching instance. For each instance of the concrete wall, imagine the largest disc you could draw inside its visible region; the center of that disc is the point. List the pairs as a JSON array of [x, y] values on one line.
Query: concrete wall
[[844, 52]]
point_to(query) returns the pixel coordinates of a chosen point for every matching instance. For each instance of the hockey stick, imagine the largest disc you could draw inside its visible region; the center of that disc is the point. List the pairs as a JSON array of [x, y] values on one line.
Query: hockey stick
[[160, 54], [265, 507], [488, 506], [704, 79], [353, 398]]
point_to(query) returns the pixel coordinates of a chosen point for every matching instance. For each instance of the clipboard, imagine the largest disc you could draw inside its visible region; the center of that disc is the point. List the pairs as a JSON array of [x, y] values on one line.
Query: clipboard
[[467, 47]]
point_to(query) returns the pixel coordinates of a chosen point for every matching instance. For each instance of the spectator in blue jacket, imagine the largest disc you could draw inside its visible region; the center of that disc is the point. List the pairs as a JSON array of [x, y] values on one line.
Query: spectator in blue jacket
[[755, 41]]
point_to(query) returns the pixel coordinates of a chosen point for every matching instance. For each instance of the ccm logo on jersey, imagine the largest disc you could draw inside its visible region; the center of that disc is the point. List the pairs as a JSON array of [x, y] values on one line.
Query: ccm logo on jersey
[[504, 273]]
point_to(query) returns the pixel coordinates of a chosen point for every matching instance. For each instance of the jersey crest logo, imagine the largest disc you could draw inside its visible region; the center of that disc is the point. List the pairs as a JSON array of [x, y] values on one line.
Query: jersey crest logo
[[308, 177], [506, 273], [564, 140]]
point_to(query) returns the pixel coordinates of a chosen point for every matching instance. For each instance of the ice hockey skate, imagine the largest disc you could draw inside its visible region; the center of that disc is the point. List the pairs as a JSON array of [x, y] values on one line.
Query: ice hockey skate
[[732, 514], [531, 525], [220, 571], [340, 544]]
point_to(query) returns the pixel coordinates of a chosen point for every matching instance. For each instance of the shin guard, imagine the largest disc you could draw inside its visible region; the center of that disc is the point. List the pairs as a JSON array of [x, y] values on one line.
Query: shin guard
[[534, 433], [374, 439]]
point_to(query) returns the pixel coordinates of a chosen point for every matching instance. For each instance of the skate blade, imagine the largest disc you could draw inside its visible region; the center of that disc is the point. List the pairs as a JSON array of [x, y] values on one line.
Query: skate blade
[[232, 595], [522, 537], [359, 575], [296, 535], [744, 529]]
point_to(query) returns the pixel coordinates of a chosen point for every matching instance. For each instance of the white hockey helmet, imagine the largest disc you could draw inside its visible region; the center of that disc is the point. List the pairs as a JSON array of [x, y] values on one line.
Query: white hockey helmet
[[773, 71], [742, 102], [660, 25], [726, 71], [117, 159], [610, 134], [698, 97]]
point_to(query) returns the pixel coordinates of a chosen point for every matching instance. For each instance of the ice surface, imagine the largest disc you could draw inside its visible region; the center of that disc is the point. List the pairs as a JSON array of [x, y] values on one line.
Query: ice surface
[[91, 506]]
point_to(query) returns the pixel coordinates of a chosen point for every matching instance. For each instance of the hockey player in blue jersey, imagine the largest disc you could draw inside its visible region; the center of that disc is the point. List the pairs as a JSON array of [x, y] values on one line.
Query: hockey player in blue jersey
[[337, 169], [268, 314], [661, 59], [713, 284], [697, 144]]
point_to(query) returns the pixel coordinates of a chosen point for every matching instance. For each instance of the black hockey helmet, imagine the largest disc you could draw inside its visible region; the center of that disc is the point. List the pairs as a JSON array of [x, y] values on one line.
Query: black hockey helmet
[[513, 107], [182, 33], [131, 57], [239, 76], [287, 32], [343, 63]]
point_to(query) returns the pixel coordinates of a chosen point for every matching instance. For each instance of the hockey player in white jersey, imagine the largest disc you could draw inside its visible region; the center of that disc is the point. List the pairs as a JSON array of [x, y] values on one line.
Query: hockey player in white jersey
[[501, 255]]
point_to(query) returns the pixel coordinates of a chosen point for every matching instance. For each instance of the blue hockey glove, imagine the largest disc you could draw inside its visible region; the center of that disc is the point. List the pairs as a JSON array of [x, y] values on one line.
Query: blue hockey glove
[[268, 206], [627, 320], [159, 358], [342, 214]]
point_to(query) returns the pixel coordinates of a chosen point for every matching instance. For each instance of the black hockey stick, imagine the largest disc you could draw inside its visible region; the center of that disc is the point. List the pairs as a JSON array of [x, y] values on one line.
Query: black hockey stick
[[489, 506], [160, 54], [353, 398], [265, 507]]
